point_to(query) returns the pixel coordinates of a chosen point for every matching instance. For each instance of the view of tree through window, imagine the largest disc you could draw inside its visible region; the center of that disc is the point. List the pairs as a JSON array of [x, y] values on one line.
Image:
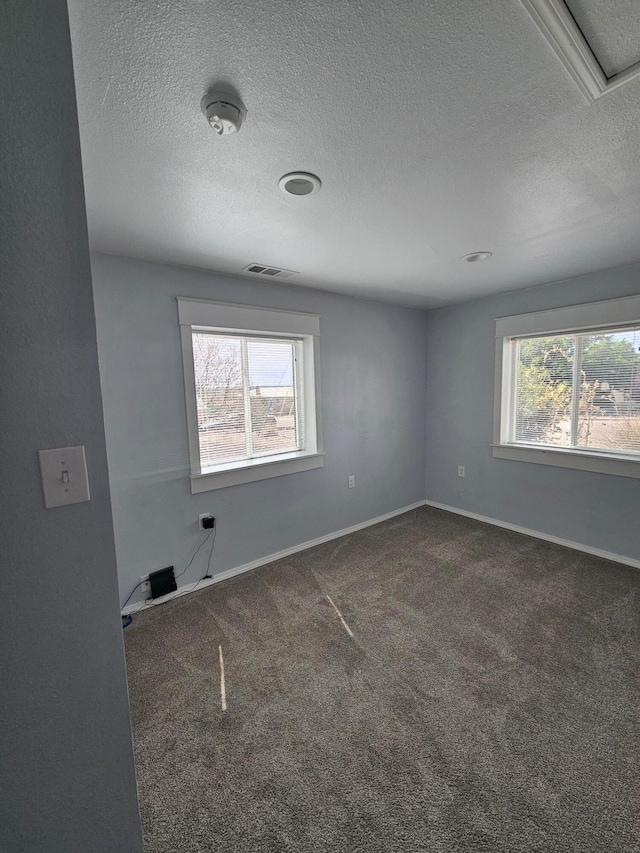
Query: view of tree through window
[[246, 397], [579, 391]]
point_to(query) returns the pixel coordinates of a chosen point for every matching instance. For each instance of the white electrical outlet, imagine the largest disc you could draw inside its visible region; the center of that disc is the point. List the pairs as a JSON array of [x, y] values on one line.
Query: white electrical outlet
[[352, 481], [201, 516], [460, 470], [145, 585]]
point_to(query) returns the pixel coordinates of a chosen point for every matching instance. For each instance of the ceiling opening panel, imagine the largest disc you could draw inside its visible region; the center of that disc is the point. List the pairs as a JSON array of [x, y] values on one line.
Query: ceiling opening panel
[[612, 29]]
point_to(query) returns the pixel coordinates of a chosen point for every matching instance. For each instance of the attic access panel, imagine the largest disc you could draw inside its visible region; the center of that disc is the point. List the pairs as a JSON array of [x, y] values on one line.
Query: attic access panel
[[561, 29], [612, 29]]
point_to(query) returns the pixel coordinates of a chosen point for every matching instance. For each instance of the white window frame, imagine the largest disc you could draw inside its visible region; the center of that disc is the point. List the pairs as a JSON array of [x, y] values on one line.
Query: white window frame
[[197, 315], [590, 317]]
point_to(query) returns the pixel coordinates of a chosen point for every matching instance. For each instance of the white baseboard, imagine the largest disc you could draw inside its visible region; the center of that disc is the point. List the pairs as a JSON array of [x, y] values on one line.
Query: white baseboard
[[247, 567], [577, 546]]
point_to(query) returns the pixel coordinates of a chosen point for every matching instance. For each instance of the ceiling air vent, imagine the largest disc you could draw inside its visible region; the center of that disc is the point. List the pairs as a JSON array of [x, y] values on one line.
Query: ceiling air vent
[[271, 272]]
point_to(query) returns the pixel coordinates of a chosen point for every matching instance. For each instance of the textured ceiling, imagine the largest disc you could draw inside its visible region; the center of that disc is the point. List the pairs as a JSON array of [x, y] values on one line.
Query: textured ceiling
[[437, 128]]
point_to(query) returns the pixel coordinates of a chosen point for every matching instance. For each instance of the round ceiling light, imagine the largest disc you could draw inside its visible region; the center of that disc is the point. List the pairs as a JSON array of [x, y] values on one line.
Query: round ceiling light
[[299, 184], [476, 256]]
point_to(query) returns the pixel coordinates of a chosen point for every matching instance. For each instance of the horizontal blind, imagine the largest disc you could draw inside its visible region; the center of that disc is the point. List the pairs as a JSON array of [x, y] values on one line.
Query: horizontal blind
[[246, 397], [544, 387], [609, 416], [580, 390]]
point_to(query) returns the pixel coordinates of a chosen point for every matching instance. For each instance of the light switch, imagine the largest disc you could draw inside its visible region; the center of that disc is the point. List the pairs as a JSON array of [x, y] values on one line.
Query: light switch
[[64, 476]]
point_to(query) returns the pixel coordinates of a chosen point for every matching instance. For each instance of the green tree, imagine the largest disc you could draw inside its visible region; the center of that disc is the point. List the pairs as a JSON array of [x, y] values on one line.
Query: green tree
[[611, 359], [545, 368]]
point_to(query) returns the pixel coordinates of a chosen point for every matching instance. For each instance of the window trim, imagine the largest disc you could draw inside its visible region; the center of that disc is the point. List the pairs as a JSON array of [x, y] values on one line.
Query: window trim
[[590, 316], [229, 318]]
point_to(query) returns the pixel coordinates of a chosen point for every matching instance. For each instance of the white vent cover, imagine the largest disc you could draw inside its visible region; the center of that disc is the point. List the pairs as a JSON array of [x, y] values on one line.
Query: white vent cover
[[269, 272], [559, 27]]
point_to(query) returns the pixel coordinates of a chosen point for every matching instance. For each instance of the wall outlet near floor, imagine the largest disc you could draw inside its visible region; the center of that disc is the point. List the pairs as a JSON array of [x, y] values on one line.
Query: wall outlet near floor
[[201, 518], [352, 481], [460, 470], [145, 585]]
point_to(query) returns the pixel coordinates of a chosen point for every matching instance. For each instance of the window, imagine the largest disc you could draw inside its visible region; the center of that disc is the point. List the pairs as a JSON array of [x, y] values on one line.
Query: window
[[251, 393], [568, 387]]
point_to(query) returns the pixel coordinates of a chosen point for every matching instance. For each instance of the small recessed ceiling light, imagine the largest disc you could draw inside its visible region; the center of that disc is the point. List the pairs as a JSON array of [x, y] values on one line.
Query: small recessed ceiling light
[[299, 183], [476, 256]]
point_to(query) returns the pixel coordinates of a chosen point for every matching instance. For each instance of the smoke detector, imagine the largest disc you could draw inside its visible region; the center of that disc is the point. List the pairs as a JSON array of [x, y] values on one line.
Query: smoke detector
[[224, 112]]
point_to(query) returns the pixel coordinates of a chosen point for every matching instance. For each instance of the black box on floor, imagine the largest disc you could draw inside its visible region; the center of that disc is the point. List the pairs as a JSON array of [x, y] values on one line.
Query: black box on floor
[[162, 582]]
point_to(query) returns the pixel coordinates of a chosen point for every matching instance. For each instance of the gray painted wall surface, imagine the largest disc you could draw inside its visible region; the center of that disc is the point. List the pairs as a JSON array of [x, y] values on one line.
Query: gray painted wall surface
[[597, 510], [67, 781], [373, 385]]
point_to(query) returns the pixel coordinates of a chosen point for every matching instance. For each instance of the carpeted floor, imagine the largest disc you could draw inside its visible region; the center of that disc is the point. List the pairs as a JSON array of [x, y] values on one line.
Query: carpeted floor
[[487, 701]]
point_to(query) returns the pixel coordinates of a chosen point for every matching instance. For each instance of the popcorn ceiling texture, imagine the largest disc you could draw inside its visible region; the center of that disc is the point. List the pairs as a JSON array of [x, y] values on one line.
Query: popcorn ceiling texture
[[487, 702], [437, 129]]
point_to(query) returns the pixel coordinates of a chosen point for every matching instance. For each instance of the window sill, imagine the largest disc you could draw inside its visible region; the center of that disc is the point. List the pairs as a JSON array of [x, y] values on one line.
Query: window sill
[[237, 473], [601, 463]]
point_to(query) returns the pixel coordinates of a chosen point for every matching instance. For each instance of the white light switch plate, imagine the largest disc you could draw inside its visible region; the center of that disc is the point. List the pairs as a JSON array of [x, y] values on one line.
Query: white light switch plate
[[64, 476]]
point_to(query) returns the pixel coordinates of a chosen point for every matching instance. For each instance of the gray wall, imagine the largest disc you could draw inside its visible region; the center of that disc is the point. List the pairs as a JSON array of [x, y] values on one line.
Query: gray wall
[[67, 783], [373, 386], [597, 510]]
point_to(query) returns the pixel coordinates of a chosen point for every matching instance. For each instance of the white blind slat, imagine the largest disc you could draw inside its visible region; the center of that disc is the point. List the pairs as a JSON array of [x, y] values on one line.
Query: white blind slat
[[246, 397], [580, 390]]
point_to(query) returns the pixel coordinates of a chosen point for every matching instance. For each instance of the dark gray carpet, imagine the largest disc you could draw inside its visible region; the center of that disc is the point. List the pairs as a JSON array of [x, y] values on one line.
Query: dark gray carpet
[[488, 700]]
